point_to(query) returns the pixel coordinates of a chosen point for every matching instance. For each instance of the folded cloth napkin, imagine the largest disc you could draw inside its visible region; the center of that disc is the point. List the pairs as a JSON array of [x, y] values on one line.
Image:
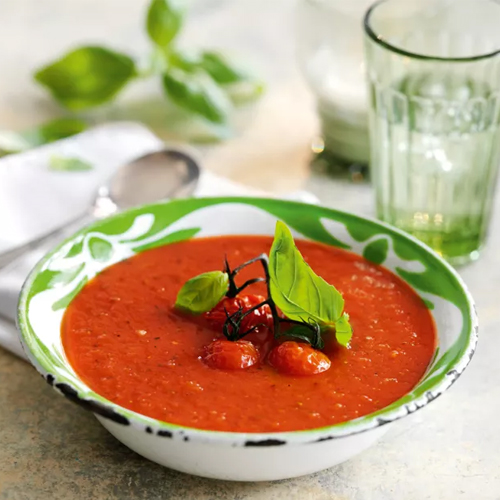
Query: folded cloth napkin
[[35, 199]]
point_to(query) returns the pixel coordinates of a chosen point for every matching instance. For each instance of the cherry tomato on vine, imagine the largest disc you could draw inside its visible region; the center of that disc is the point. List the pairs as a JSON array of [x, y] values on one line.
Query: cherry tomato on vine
[[231, 355], [294, 358], [217, 316]]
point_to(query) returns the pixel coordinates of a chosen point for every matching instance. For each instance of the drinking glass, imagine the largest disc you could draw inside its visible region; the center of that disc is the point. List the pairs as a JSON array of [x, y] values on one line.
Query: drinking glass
[[433, 69]]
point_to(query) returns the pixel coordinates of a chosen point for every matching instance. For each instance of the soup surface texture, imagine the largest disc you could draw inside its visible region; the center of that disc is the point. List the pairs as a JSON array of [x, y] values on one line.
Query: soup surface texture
[[126, 341]]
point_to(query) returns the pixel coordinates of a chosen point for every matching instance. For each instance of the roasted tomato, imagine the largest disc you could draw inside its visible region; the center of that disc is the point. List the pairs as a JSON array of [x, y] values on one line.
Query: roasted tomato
[[261, 316], [294, 358], [228, 355]]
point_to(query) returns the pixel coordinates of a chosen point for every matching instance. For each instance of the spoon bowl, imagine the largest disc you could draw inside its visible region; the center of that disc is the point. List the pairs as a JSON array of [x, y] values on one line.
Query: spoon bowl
[[146, 180]]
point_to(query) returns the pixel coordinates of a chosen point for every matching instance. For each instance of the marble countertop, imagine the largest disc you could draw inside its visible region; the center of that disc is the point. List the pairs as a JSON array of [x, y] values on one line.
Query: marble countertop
[[51, 449]]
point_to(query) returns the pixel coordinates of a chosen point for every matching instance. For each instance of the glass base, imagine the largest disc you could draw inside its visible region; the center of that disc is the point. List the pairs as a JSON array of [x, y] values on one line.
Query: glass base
[[458, 247], [463, 260]]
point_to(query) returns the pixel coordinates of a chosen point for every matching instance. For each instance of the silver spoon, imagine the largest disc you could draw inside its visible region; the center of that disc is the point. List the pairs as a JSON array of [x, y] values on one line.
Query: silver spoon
[[155, 176]]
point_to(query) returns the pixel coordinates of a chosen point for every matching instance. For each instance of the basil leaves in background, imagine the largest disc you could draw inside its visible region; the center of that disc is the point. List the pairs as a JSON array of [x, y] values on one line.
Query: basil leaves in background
[[203, 83], [197, 93], [54, 131], [68, 164], [299, 292], [219, 68], [203, 292], [87, 77], [17, 142], [164, 21]]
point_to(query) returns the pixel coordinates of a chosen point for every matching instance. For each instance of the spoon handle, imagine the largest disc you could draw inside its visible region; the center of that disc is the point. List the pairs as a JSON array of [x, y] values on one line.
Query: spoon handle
[[10, 256]]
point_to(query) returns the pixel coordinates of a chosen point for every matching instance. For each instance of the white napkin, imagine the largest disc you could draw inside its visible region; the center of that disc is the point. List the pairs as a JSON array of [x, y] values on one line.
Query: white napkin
[[34, 199]]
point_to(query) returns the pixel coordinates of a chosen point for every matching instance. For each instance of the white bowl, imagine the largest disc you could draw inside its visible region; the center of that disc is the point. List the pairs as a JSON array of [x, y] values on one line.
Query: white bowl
[[229, 455]]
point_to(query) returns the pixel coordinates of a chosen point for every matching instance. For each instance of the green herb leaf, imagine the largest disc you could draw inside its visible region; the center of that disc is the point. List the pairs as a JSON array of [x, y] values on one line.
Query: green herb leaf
[[241, 87], [68, 164], [187, 61], [17, 142], [343, 330], [202, 293], [54, 131], [164, 21], [87, 76], [300, 293], [198, 93], [219, 68]]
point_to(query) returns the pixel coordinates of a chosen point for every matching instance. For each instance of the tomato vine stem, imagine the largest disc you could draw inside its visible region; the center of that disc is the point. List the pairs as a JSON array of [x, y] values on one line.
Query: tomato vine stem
[[232, 325]]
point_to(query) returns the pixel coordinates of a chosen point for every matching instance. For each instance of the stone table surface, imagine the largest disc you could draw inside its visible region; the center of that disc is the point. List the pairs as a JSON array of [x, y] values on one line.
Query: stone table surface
[[52, 450]]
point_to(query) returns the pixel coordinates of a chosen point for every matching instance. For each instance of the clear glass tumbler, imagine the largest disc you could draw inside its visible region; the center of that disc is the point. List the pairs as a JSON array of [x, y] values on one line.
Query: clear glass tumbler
[[433, 68]]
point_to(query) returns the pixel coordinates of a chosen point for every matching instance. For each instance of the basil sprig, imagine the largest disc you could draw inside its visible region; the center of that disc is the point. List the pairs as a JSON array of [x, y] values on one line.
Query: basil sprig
[[299, 292], [310, 305], [205, 83], [202, 293]]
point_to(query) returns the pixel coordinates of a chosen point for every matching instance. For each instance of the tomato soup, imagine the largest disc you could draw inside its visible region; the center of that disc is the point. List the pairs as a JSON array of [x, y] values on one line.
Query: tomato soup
[[124, 338]]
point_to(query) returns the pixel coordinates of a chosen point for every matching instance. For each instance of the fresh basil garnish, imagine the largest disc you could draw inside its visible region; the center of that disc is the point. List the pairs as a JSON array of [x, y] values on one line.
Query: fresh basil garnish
[[343, 330], [164, 20], [309, 304], [297, 290], [87, 76], [202, 293]]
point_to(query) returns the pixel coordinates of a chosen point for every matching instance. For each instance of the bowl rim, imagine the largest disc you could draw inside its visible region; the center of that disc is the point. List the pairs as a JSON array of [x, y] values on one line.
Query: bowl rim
[[121, 415]]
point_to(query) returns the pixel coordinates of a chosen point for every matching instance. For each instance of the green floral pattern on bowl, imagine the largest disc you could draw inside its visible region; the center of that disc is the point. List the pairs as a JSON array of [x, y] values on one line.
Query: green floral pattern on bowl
[[63, 272]]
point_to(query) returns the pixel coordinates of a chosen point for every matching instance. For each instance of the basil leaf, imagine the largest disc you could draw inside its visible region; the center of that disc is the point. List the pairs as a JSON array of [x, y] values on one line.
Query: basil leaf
[[17, 142], [54, 131], [164, 21], [186, 61], [198, 93], [300, 293], [241, 87], [87, 76], [68, 164], [219, 68], [343, 330], [202, 293]]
